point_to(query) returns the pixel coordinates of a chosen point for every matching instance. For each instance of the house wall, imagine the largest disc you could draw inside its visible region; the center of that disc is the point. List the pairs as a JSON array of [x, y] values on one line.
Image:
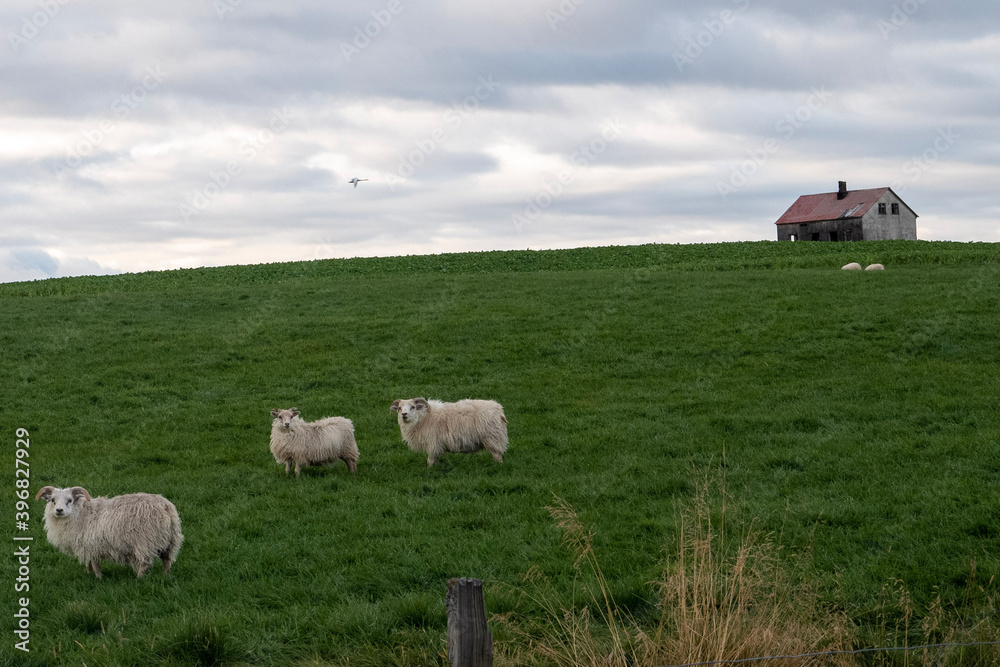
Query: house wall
[[878, 227], [849, 229]]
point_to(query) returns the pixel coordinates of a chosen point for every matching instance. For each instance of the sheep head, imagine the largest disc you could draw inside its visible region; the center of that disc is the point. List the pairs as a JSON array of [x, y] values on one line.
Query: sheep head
[[410, 410], [63, 500], [285, 416]]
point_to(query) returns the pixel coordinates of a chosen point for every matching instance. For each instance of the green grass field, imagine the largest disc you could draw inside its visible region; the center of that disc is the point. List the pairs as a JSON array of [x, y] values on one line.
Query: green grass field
[[854, 416]]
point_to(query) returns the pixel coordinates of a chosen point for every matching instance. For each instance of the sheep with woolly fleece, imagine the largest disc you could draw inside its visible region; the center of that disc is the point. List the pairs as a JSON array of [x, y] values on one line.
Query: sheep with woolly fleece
[[305, 443], [874, 267], [853, 266], [134, 529], [434, 427]]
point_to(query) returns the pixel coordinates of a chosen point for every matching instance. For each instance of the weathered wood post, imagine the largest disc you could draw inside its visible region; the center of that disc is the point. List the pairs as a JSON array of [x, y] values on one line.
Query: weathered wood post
[[470, 643]]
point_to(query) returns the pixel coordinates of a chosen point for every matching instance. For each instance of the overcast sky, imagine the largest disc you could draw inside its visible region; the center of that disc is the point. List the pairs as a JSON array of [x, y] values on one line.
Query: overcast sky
[[155, 135]]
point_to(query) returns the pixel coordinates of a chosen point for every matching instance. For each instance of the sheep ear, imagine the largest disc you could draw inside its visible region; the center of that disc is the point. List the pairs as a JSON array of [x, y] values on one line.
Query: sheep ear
[[80, 492], [45, 493], [395, 406], [295, 412], [274, 413], [422, 402]]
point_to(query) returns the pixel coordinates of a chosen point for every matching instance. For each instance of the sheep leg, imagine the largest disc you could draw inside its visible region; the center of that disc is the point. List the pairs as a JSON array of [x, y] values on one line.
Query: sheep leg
[[141, 567], [432, 460], [288, 467], [298, 469], [165, 557], [495, 448], [95, 567], [352, 465]]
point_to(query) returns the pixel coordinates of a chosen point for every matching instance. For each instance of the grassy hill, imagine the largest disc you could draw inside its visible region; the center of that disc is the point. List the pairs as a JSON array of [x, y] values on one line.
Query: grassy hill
[[848, 419]]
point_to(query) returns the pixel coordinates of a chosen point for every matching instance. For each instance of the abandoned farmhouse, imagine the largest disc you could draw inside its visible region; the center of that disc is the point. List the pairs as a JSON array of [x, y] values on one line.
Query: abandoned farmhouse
[[876, 214]]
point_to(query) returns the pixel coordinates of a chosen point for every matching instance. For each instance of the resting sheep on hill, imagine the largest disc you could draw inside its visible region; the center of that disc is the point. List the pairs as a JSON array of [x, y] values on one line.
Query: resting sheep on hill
[[434, 427], [320, 442], [132, 530]]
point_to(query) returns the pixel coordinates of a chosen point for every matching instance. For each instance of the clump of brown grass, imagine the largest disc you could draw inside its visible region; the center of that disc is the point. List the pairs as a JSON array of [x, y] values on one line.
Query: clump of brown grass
[[946, 637], [719, 603], [714, 605], [567, 637], [574, 642]]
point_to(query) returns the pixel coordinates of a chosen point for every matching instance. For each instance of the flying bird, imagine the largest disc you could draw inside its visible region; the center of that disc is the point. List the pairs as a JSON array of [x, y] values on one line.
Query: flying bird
[[356, 181]]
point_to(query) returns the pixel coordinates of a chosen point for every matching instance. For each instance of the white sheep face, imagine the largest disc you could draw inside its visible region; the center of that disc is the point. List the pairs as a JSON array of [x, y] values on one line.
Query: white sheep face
[[410, 410], [284, 417], [63, 502]]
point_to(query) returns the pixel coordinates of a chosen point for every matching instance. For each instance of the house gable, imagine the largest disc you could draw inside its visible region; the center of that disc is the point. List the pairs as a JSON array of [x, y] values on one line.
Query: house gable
[[889, 218]]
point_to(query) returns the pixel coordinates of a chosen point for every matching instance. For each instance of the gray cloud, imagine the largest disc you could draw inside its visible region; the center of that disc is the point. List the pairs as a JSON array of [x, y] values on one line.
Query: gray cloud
[[31, 260], [126, 115]]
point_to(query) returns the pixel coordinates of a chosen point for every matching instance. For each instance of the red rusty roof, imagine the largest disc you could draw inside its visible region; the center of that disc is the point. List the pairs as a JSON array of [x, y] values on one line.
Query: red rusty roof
[[826, 206]]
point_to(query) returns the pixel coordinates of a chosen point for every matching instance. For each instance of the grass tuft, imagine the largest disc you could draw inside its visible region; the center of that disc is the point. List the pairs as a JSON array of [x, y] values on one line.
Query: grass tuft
[[80, 616], [716, 602], [202, 642], [728, 598]]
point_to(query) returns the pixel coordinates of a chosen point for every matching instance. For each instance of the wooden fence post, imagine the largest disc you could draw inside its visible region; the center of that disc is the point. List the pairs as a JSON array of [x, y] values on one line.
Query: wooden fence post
[[470, 643]]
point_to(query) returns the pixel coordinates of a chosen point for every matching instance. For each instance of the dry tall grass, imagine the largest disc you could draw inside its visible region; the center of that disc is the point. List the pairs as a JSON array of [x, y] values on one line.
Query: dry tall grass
[[719, 602], [713, 606]]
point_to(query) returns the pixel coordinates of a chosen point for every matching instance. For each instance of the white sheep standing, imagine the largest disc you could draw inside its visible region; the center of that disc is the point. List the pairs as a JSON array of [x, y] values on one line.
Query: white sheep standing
[[853, 266], [134, 529], [434, 427], [320, 442], [874, 267]]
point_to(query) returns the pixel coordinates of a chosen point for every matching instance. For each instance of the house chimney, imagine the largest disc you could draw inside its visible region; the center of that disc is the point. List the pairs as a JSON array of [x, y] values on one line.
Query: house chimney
[[842, 192]]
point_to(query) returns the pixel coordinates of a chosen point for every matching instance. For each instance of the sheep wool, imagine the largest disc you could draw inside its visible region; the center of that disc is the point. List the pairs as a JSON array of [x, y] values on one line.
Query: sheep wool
[[434, 427], [321, 442], [133, 529]]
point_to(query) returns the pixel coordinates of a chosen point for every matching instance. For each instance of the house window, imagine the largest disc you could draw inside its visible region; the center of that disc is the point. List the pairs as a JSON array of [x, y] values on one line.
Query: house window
[[793, 238], [881, 209], [815, 236], [847, 235], [895, 209], [833, 236]]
